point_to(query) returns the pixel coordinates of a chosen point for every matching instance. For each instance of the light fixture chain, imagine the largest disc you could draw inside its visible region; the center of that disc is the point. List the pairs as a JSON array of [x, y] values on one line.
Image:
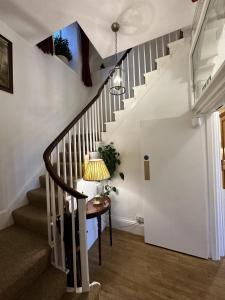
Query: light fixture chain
[[116, 46]]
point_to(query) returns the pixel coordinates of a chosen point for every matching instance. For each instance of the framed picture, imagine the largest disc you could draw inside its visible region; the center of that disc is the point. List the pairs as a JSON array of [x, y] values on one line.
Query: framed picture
[[6, 65]]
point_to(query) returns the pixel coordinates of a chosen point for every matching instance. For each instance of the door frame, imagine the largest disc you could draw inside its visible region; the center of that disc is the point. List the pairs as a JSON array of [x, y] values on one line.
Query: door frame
[[215, 189]]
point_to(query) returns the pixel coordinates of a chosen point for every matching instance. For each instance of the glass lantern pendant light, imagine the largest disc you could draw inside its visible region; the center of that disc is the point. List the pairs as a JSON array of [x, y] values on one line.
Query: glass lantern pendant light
[[118, 74]]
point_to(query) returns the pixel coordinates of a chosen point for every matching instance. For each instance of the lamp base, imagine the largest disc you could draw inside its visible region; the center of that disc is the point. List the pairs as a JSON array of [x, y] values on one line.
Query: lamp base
[[97, 200]]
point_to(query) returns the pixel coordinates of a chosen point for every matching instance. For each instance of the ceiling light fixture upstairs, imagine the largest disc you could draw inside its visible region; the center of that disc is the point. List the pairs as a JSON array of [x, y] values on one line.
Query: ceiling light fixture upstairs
[[118, 74]]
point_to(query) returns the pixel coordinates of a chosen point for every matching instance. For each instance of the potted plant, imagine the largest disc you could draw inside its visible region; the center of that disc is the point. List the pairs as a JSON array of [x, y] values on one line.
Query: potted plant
[[62, 49], [112, 160]]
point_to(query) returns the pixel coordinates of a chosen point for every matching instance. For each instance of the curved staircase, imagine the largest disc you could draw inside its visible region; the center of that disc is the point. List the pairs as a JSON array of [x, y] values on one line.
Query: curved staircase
[[25, 257], [30, 247]]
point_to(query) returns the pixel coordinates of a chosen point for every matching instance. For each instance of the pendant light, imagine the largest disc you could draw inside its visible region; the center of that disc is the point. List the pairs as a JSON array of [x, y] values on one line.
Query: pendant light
[[118, 76]]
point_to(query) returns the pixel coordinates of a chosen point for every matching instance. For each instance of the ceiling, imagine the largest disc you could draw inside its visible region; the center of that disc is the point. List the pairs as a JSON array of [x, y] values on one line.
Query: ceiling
[[140, 20]]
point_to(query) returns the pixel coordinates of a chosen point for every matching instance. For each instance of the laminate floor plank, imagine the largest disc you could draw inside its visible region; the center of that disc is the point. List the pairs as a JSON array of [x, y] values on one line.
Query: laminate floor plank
[[133, 270]]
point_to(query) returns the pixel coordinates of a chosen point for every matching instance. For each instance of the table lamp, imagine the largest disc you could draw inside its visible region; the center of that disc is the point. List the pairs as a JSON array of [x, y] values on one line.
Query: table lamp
[[96, 170]]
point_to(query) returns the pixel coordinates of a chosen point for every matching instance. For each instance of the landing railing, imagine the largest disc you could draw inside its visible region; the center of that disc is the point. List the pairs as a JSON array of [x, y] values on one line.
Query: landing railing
[[65, 156]]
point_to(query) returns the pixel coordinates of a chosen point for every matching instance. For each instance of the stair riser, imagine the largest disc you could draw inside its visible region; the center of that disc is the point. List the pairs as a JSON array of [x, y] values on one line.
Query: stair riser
[[37, 201], [31, 224], [51, 285], [27, 279]]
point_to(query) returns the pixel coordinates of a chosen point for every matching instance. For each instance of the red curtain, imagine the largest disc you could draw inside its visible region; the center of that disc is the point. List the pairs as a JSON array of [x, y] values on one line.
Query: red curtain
[[86, 73], [47, 45]]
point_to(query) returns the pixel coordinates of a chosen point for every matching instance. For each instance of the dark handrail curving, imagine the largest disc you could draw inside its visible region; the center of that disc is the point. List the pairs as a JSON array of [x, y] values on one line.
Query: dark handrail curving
[[46, 156]]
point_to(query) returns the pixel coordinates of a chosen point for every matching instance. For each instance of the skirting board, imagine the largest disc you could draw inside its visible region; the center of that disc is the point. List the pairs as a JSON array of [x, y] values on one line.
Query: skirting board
[[127, 225], [20, 199]]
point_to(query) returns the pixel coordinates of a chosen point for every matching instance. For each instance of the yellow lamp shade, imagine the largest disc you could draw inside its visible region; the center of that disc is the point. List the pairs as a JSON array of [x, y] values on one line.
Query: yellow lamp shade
[[96, 170]]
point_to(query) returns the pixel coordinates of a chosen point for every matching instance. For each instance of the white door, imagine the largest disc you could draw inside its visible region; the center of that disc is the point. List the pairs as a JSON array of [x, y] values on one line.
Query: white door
[[175, 197]]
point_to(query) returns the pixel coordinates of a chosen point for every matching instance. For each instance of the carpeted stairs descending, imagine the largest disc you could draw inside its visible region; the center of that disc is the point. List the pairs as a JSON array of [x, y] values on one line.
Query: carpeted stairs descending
[[26, 270]]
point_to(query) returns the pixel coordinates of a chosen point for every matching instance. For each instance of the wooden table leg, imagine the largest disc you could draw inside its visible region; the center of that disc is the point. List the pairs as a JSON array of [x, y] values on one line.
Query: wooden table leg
[[99, 240], [110, 226]]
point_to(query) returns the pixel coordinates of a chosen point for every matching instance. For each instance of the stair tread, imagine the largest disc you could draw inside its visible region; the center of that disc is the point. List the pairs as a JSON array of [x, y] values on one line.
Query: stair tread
[[92, 295], [32, 218], [51, 285], [24, 256]]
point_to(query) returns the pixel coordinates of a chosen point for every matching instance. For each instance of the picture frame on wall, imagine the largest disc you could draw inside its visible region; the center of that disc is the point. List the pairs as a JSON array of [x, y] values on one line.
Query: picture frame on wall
[[6, 65]]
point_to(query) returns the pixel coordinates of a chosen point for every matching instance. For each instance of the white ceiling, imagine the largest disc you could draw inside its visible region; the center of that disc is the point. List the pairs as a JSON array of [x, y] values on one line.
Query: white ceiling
[[140, 20]]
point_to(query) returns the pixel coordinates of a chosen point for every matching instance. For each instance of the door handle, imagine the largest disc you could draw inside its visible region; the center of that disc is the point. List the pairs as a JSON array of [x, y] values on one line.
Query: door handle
[[146, 167]]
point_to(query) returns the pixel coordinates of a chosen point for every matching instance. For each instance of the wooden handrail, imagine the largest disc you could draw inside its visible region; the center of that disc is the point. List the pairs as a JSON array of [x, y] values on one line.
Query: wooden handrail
[[47, 153]]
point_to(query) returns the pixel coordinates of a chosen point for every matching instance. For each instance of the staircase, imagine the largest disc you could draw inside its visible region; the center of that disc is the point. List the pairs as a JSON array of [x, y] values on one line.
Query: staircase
[[25, 263], [33, 250]]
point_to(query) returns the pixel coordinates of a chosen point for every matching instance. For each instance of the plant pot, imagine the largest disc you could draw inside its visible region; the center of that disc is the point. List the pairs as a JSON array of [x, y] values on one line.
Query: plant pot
[[63, 58]]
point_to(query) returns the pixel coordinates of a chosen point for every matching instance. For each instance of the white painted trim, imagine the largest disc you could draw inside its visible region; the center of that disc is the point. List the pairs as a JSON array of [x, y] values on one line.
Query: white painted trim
[[128, 225], [20, 199], [213, 96], [194, 42], [215, 196]]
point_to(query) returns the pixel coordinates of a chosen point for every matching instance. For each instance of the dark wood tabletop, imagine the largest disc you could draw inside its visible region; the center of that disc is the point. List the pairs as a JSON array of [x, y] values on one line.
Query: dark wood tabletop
[[92, 211]]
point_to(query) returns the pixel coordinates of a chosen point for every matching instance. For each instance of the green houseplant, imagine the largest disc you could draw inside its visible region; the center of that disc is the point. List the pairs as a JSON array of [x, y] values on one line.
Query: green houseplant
[[62, 47], [112, 160]]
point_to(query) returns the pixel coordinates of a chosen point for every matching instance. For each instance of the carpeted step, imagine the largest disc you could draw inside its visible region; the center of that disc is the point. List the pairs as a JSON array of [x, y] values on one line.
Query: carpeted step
[[31, 218], [94, 294], [51, 285], [37, 197], [24, 256]]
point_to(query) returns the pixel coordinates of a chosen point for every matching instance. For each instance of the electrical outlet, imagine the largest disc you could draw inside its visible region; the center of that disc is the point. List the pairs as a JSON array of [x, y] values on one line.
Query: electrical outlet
[[140, 220]]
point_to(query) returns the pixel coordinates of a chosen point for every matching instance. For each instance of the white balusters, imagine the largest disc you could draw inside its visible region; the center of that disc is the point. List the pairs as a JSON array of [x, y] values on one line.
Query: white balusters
[[163, 47], [61, 215], [70, 160], [87, 132], [128, 74], [93, 126], [74, 242], [79, 150], [60, 209], [144, 54], [123, 96], [48, 209], [84, 146], [139, 66], [90, 130], [53, 221], [98, 118], [114, 103], [156, 49], [106, 105], [69, 154], [96, 124], [110, 101], [75, 151], [133, 56], [83, 244], [101, 114], [150, 54], [64, 160]]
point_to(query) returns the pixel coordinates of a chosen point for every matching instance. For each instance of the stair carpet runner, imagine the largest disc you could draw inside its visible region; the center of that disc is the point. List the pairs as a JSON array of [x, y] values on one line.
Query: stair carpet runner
[[25, 256]]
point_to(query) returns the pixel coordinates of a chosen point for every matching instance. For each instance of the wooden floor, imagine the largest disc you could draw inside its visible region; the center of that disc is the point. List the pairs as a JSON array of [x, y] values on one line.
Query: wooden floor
[[133, 270]]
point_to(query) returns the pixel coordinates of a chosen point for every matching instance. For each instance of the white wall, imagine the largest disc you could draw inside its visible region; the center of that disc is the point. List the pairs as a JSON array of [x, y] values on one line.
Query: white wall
[[47, 95], [166, 97]]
